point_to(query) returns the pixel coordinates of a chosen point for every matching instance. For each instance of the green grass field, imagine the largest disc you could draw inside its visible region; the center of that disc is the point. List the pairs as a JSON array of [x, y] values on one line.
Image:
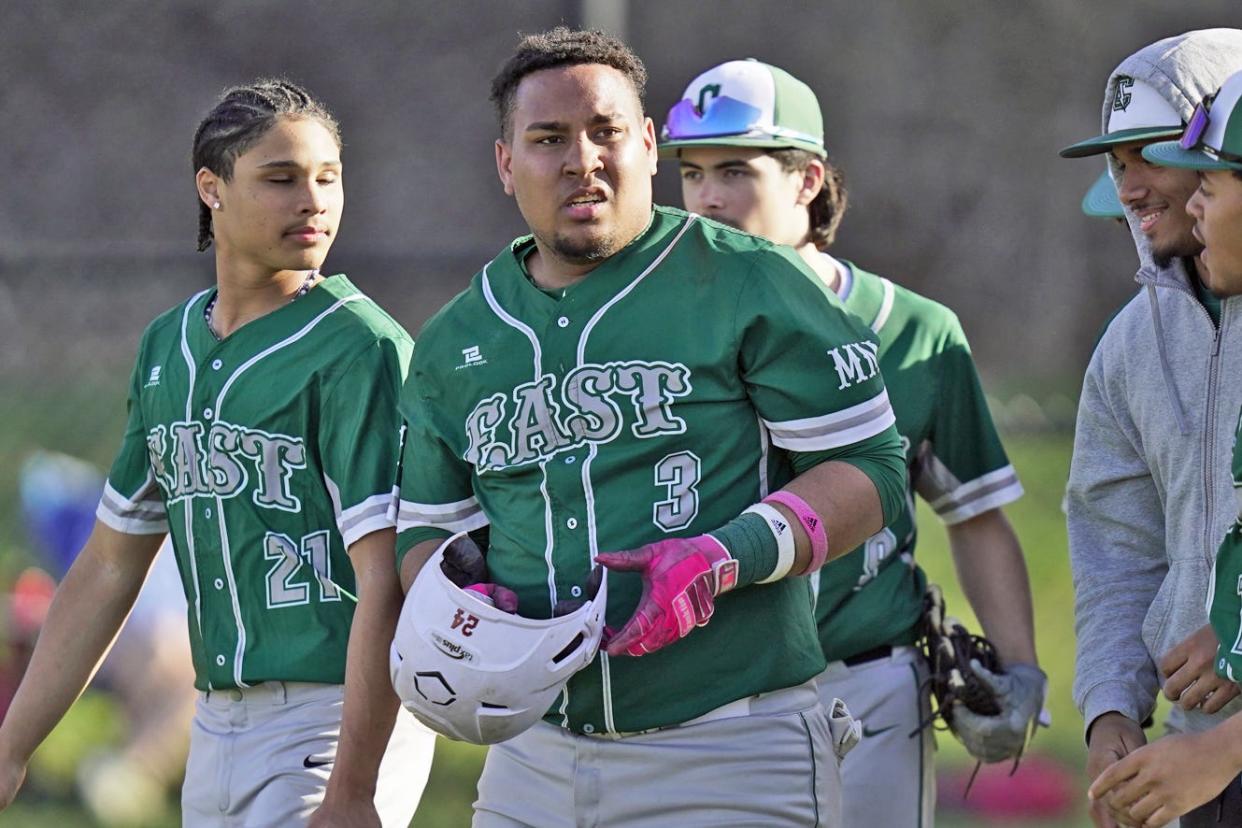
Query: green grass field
[[86, 422]]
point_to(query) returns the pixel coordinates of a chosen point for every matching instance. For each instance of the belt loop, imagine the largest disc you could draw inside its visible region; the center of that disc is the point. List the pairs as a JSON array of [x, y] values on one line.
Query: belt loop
[[280, 693]]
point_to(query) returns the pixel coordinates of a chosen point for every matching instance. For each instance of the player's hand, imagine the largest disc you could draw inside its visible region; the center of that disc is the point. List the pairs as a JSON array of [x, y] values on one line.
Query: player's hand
[[1192, 681], [1158, 783], [1020, 693], [12, 774], [463, 562], [357, 812], [681, 579], [1113, 736], [502, 598], [465, 565]]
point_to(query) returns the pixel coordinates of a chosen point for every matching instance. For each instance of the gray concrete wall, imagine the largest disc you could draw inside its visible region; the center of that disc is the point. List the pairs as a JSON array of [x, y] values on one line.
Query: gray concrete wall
[[945, 115]]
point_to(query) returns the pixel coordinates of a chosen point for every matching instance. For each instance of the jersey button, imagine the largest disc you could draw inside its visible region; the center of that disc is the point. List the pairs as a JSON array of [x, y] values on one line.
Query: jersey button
[[219, 583], [563, 322], [207, 513], [219, 661], [217, 364], [207, 412], [588, 728], [572, 523], [575, 591]]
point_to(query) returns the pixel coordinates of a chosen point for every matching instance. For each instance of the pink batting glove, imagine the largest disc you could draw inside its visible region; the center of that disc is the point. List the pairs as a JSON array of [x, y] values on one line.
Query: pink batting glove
[[502, 598], [681, 578]]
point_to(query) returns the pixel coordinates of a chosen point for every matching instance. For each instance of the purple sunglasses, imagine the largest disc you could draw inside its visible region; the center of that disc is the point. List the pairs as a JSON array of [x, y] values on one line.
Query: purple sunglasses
[[726, 116], [1192, 138]]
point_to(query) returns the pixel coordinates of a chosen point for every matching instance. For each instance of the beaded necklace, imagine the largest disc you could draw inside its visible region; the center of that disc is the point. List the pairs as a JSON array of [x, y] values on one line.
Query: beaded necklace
[[211, 306]]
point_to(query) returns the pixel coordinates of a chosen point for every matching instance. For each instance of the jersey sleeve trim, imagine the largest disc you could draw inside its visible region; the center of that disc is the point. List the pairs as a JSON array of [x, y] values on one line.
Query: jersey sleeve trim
[[980, 495], [361, 519], [841, 428], [369, 516], [143, 514], [462, 516], [886, 305]]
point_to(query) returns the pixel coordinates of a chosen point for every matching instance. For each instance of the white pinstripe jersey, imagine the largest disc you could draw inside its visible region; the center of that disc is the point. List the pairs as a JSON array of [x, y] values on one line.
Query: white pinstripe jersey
[[874, 595], [671, 388], [264, 456]]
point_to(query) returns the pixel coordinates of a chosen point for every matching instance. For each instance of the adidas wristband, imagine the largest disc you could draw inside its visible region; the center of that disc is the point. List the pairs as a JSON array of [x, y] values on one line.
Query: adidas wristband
[[811, 523], [779, 526]]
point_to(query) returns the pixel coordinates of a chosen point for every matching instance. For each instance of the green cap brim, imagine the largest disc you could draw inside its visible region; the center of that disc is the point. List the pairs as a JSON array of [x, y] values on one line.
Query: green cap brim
[[1103, 143], [1170, 154], [668, 149], [1101, 200]]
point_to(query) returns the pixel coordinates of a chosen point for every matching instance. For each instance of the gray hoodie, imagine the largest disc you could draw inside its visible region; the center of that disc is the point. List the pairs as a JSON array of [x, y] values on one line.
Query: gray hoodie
[[1150, 492]]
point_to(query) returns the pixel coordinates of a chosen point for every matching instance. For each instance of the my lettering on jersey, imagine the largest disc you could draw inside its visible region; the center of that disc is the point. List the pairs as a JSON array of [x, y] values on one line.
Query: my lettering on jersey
[[592, 405], [855, 362], [189, 461]]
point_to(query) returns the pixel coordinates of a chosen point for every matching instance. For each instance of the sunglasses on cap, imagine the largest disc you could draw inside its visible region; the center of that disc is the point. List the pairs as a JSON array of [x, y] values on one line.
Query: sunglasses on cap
[[1192, 138], [725, 117]]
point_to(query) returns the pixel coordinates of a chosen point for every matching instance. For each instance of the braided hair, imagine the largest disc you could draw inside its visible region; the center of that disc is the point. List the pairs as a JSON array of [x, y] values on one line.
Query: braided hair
[[238, 120]]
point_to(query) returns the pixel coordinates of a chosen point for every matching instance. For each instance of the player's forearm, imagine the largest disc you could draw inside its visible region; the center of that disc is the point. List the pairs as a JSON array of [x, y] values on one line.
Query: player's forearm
[[839, 503], [992, 572], [845, 499], [413, 561], [1227, 741], [371, 705], [86, 614]]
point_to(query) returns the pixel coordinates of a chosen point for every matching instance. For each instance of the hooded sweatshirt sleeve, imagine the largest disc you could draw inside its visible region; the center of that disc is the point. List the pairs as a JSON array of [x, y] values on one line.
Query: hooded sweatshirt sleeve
[[1116, 540]]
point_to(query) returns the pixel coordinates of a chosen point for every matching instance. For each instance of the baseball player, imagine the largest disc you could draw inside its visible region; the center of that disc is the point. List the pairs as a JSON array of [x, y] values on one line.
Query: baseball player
[[749, 139], [641, 379], [1149, 495], [1174, 775], [262, 433]]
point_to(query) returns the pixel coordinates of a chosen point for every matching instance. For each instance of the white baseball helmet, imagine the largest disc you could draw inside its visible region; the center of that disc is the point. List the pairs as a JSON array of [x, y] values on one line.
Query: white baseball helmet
[[472, 672]]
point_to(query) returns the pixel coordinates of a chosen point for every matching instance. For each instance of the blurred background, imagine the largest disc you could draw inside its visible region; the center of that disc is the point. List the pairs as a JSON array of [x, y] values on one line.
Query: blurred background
[[946, 116]]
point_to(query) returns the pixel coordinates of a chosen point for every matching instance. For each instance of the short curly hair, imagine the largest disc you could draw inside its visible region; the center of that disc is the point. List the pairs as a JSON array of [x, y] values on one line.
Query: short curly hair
[[557, 47]]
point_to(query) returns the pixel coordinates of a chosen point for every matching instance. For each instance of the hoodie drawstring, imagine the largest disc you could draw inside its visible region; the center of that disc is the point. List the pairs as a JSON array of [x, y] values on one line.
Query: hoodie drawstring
[[1179, 412]]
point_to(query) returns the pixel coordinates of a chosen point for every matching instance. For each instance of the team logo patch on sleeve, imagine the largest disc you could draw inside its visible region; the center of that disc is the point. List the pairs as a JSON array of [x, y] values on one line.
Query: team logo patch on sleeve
[[855, 362]]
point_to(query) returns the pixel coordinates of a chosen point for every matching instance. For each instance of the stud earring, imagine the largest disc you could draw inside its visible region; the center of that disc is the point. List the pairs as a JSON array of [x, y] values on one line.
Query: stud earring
[[215, 206]]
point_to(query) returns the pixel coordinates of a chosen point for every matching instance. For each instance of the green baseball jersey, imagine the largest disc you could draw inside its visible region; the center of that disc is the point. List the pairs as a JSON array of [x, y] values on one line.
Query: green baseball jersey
[[1225, 602], [874, 595], [264, 456], [670, 389]]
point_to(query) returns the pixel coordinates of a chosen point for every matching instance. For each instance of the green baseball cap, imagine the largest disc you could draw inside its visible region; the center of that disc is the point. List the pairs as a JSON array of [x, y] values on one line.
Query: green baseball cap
[[745, 103], [1213, 138], [1101, 200], [1139, 113]]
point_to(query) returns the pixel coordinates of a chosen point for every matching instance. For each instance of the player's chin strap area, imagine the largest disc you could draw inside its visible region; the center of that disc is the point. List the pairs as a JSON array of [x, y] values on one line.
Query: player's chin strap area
[[992, 711]]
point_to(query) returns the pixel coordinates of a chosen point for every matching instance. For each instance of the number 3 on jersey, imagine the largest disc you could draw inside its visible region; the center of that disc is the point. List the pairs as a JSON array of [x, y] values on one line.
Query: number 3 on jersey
[[288, 558], [680, 472]]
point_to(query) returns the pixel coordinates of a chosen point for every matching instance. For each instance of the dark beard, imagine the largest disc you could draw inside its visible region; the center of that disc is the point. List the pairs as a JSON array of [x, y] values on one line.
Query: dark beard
[[584, 252], [1186, 248]]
